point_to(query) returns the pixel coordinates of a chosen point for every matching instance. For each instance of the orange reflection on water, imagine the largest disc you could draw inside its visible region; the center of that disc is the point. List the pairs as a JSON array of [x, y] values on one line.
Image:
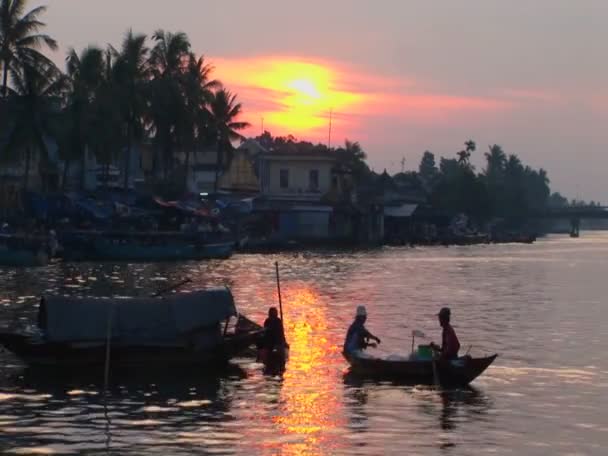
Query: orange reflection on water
[[309, 412]]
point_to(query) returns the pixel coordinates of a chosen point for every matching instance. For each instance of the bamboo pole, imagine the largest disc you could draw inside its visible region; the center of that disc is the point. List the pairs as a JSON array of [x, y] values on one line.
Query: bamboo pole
[[279, 291]]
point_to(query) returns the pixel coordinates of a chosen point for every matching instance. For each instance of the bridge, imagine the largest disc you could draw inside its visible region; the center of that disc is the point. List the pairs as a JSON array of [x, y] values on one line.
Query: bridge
[[580, 212], [575, 214]]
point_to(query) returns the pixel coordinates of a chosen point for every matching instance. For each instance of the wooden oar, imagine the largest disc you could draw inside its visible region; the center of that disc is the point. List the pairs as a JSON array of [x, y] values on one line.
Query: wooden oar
[[106, 370], [175, 286], [279, 291], [276, 264], [435, 373]]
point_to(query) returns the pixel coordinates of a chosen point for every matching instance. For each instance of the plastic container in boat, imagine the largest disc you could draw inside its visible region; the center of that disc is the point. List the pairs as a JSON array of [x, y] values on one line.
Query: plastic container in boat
[[425, 352]]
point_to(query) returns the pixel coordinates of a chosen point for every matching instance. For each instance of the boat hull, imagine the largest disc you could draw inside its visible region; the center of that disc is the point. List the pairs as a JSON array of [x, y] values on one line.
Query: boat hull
[[104, 250], [22, 257], [143, 247], [77, 355], [460, 372]]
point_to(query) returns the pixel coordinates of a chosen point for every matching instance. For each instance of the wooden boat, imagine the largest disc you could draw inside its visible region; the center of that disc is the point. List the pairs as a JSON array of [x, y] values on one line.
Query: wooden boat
[[185, 329], [459, 372], [142, 246], [276, 356], [27, 251], [116, 249], [22, 257]]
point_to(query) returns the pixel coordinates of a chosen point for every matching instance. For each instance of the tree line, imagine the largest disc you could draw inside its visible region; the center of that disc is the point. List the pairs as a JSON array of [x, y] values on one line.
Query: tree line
[[505, 187], [106, 100], [157, 89]]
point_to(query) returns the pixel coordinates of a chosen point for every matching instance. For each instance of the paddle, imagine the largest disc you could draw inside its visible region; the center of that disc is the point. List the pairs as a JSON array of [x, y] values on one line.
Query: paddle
[[106, 370], [276, 264], [435, 373], [175, 286]]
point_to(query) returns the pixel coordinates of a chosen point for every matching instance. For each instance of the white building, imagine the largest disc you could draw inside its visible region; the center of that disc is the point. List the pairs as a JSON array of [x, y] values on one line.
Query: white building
[[297, 177]]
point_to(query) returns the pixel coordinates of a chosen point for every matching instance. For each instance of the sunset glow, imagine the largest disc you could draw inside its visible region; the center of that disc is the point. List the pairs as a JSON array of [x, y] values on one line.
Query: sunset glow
[[290, 95]]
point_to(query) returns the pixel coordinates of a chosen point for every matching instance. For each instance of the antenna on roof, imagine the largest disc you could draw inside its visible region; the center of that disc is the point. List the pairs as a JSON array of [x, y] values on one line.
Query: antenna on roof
[[262, 124], [331, 111]]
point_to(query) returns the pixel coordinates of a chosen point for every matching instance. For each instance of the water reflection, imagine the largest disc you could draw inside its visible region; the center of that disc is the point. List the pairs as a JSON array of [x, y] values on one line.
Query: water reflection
[[542, 307], [309, 403], [69, 412], [440, 409]]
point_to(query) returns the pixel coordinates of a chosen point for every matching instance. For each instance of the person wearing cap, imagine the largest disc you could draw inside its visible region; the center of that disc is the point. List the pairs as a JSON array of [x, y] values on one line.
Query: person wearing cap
[[357, 336], [449, 341]]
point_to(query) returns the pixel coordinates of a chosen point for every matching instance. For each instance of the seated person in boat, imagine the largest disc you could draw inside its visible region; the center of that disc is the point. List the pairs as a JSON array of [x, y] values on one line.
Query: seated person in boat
[[357, 336], [274, 336], [449, 341]]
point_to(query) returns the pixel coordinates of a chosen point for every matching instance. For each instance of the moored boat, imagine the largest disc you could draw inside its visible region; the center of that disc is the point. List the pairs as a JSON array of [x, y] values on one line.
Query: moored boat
[[144, 246], [185, 329], [458, 372], [158, 248], [23, 251]]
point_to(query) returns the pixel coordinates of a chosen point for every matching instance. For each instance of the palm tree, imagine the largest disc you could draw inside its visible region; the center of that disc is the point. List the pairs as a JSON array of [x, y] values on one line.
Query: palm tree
[[106, 115], [224, 111], [85, 74], [20, 38], [197, 87], [168, 62], [170, 54], [496, 161], [131, 74], [464, 156], [34, 100], [352, 157]]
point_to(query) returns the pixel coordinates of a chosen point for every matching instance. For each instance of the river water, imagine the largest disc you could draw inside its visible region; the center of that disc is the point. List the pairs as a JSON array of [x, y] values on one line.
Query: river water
[[541, 307]]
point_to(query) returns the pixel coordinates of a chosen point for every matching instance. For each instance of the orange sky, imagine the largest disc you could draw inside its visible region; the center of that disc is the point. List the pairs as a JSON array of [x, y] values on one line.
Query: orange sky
[[406, 77], [293, 95]]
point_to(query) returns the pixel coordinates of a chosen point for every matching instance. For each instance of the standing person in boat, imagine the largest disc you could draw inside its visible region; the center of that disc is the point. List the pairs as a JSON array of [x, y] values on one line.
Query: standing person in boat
[[274, 336], [449, 341], [357, 336]]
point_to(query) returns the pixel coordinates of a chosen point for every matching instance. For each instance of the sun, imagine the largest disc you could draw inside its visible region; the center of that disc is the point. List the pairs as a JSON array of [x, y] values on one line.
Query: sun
[[306, 91], [294, 96]]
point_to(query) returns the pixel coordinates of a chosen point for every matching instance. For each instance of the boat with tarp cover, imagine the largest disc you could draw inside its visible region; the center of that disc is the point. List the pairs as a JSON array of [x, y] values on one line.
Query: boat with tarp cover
[[198, 328]]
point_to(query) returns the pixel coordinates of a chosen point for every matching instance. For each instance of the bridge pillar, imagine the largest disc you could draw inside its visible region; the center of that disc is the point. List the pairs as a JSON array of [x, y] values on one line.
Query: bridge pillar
[[575, 224]]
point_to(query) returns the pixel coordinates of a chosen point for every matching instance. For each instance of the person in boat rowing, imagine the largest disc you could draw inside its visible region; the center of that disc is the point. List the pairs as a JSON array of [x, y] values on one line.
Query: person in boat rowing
[[357, 337], [274, 336], [449, 341]]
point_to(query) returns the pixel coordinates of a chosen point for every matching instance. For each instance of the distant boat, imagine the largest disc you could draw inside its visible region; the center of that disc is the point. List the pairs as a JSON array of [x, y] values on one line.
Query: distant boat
[[184, 329], [23, 251]]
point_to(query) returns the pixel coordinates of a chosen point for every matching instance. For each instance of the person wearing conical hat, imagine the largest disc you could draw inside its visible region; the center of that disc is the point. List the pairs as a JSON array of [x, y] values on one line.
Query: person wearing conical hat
[[358, 336], [449, 341]]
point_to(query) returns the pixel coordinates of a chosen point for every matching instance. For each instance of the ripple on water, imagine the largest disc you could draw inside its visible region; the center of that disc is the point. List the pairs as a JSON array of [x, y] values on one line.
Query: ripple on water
[[545, 395]]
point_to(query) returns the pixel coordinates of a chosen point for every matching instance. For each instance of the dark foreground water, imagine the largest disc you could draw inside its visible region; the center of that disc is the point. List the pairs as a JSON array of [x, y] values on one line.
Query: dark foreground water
[[541, 307]]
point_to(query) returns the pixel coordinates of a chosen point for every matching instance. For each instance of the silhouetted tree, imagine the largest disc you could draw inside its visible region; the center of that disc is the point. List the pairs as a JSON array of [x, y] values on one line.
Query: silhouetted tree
[[20, 39]]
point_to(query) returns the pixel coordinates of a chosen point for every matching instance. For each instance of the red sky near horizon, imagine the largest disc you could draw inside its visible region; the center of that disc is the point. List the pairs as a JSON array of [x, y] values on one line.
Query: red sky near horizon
[[295, 95]]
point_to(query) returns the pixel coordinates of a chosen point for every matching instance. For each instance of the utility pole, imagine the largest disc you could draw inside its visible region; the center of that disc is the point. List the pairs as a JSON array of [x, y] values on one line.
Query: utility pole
[[262, 124], [402, 165], [329, 135]]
